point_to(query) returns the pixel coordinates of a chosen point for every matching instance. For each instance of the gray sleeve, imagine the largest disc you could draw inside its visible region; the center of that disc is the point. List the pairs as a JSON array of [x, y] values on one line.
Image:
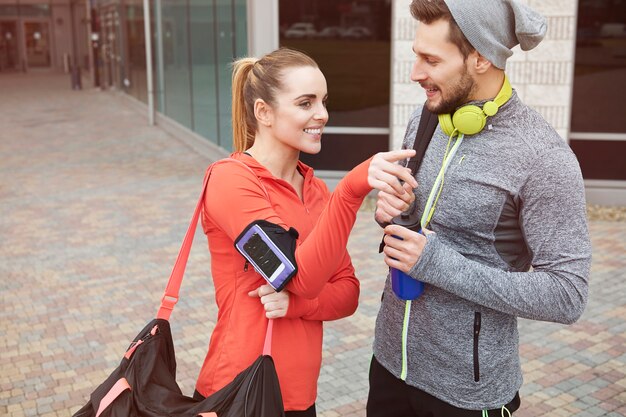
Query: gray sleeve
[[553, 218]]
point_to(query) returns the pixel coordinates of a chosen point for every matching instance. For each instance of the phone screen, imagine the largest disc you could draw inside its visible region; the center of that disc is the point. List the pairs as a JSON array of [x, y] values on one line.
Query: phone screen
[[266, 260]]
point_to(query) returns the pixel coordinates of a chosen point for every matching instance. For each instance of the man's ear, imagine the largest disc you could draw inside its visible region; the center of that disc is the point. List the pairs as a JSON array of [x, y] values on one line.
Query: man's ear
[[480, 63], [263, 112]]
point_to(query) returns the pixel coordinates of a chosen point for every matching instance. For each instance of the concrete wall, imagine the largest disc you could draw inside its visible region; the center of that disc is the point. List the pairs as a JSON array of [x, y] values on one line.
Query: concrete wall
[[542, 77]]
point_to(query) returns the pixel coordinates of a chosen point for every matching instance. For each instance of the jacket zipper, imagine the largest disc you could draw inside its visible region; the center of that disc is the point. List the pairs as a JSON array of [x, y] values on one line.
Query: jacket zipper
[[245, 266], [476, 335]]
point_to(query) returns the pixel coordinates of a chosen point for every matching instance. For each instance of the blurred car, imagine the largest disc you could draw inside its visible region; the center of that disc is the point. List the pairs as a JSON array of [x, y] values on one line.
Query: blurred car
[[357, 32], [300, 30], [330, 32], [613, 30]]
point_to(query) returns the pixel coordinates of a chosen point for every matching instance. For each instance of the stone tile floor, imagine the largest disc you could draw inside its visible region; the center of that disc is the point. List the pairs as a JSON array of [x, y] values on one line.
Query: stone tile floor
[[93, 206]]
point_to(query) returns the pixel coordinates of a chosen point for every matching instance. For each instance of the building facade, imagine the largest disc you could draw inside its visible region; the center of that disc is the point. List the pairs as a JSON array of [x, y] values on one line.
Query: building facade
[[43, 35], [575, 78]]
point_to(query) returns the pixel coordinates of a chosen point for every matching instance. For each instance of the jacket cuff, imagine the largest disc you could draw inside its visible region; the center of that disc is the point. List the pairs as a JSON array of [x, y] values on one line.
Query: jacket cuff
[[426, 269], [300, 306], [355, 182]]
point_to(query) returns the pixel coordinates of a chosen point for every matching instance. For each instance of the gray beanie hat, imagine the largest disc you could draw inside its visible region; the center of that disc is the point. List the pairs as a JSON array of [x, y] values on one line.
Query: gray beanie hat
[[493, 27]]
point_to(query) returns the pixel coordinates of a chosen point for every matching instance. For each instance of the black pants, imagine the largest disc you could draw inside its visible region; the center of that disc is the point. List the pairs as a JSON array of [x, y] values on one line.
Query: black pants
[[309, 412], [392, 397]]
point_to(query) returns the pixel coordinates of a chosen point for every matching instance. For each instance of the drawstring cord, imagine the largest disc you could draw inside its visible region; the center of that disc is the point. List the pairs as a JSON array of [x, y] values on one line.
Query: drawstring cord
[[502, 410], [433, 199], [429, 210]]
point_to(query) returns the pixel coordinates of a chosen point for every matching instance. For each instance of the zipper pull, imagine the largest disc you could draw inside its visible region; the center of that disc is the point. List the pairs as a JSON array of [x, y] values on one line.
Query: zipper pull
[[245, 267], [476, 323]]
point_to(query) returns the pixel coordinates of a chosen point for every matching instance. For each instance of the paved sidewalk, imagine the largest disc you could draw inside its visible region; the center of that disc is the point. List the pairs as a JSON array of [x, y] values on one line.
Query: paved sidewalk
[[93, 207]]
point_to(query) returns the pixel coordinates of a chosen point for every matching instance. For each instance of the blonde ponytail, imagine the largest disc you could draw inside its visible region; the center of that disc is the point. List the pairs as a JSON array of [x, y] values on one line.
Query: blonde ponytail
[[241, 72]]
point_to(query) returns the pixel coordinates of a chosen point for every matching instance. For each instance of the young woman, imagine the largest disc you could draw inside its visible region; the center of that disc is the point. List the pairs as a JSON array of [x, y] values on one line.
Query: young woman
[[279, 110]]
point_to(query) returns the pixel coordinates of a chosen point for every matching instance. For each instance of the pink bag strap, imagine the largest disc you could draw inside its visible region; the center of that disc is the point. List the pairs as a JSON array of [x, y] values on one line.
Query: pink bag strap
[[170, 296], [267, 346], [116, 390]]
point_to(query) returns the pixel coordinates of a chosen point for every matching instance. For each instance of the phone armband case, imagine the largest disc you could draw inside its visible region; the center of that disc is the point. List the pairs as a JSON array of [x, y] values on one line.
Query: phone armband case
[[271, 251]]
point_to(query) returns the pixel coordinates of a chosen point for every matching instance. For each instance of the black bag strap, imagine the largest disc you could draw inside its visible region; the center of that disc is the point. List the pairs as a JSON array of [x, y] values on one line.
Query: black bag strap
[[425, 130]]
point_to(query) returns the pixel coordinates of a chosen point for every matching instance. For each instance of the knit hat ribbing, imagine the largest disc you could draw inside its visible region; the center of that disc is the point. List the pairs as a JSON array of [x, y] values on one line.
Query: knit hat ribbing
[[493, 27]]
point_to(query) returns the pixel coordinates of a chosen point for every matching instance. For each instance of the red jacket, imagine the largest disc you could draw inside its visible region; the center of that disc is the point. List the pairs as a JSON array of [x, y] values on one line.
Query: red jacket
[[325, 287]]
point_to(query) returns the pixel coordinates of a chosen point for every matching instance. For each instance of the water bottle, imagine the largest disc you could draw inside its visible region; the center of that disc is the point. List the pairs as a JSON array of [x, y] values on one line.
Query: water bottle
[[404, 286]]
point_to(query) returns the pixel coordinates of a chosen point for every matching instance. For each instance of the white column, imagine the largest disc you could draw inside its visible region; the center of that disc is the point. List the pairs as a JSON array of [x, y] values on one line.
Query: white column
[[544, 76], [405, 95], [263, 26], [148, 35]]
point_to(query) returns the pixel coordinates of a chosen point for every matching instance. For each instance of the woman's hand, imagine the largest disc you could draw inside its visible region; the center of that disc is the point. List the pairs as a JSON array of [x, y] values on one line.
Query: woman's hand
[[275, 303], [389, 206], [394, 182], [385, 174]]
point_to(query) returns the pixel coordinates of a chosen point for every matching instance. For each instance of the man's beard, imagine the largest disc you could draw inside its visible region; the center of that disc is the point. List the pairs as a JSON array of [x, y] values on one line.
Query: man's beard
[[461, 91]]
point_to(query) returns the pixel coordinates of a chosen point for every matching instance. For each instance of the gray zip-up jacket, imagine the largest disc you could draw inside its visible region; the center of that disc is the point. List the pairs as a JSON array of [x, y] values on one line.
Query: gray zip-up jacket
[[511, 241]]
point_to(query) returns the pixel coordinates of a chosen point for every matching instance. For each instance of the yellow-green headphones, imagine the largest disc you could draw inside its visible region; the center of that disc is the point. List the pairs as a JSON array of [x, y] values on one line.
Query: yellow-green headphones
[[471, 119]]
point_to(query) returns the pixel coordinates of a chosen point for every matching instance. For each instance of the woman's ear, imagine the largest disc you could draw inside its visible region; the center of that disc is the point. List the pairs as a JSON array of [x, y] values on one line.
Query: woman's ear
[[263, 112]]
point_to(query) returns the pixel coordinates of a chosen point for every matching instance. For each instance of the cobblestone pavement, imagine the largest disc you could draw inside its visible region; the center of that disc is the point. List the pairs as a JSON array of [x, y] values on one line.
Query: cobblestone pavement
[[93, 206]]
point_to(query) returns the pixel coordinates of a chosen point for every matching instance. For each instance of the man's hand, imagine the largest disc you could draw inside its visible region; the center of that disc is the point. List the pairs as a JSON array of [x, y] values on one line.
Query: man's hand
[[403, 253], [275, 303]]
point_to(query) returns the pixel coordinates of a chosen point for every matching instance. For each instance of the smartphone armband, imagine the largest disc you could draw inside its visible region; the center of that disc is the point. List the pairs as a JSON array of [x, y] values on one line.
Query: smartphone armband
[[271, 250]]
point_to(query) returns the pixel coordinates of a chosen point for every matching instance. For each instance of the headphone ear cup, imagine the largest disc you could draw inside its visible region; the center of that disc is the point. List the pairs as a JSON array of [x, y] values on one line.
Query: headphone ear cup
[[445, 121], [469, 120]]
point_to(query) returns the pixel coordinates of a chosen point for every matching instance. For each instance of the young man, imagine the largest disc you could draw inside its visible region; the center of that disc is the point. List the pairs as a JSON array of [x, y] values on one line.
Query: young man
[[504, 229]]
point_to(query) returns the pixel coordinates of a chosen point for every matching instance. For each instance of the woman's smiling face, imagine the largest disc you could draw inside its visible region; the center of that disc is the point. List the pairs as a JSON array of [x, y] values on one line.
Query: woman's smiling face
[[299, 112]]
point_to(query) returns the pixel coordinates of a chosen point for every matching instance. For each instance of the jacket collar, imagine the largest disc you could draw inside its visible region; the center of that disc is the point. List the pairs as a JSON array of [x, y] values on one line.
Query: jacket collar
[[262, 172]]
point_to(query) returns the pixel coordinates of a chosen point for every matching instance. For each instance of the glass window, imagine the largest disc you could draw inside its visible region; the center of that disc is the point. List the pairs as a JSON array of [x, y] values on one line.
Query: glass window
[[176, 71], [204, 68], [600, 71], [225, 48], [37, 36], [112, 60], [195, 45], [9, 57], [339, 152], [601, 159], [241, 28], [8, 10], [598, 126], [350, 40], [25, 10], [32, 10], [136, 47], [157, 57]]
